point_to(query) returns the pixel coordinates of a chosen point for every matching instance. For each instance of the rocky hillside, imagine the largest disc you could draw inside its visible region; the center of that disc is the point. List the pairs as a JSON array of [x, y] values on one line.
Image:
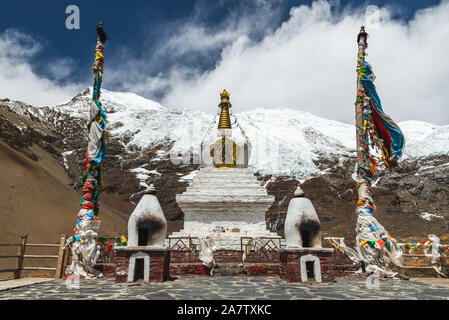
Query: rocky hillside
[[36, 198], [289, 147]]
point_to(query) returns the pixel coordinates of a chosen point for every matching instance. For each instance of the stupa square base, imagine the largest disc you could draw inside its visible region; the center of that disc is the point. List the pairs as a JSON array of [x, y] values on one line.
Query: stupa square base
[[228, 263], [150, 264], [224, 204], [306, 264]]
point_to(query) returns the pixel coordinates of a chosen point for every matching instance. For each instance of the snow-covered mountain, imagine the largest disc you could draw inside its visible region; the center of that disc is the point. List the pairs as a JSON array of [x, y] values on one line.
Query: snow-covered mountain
[[285, 141], [288, 147]]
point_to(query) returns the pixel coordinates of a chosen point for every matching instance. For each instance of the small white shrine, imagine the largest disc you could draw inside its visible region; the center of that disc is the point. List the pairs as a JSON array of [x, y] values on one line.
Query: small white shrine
[[145, 257], [225, 201]]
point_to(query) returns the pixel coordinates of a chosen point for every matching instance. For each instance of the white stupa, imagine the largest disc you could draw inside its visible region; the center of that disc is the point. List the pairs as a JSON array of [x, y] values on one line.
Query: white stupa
[[225, 201]]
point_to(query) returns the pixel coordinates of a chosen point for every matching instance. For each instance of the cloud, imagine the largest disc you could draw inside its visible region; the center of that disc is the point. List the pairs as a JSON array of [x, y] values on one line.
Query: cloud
[[195, 36], [61, 68], [308, 62], [18, 81], [305, 61], [185, 48]]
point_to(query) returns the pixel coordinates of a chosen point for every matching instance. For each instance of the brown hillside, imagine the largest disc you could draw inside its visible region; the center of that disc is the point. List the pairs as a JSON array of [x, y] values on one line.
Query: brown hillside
[[36, 200]]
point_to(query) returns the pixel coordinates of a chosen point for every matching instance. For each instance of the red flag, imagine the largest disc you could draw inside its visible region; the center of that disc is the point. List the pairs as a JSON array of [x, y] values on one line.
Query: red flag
[[381, 243]]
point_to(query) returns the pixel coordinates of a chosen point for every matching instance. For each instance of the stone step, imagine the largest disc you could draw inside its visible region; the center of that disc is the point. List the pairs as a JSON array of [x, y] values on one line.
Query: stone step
[[412, 260], [226, 170], [189, 269], [417, 271], [195, 197], [226, 184], [226, 192], [247, 269], [234, 236], [234, 240], [233, 180], [225, 175], [219, 187], [228, 269], [420, 256]]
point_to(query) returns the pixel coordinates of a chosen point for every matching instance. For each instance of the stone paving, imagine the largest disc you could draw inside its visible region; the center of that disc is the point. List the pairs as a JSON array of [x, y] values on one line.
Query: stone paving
[[22, 282], [232, 288]]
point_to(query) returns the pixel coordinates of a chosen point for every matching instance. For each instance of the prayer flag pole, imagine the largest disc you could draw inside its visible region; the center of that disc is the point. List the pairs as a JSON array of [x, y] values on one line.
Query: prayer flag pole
[[85, 250], [374, 130]]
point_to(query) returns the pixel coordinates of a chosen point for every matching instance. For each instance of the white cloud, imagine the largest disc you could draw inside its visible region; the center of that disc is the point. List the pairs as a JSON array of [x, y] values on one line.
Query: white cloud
[[17, 79], [61, 68], [309, 62]]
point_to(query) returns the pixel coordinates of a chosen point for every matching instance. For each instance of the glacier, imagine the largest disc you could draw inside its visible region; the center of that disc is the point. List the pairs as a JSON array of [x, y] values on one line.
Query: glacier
[[284, 141]]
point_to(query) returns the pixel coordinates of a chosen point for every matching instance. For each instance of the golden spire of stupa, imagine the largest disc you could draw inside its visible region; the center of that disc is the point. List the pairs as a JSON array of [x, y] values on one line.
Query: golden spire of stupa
[[225, 120]]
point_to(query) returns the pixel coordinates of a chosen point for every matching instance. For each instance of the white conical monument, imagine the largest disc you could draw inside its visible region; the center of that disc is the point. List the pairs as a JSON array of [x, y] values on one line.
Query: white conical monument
[[225, 201], [147, 224], [145, 257], [302, 225]]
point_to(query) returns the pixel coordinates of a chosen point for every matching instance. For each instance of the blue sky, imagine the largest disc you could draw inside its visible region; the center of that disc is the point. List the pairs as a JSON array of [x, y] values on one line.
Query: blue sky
[[166, 49]]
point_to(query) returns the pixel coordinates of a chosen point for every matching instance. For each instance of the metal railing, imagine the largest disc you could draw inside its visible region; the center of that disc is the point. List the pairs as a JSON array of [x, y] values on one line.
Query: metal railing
[[183, 250], [261, 249]]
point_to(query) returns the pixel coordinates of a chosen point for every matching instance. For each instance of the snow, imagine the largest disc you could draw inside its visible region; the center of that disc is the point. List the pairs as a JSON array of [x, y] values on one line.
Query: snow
[[429, 216], [424, 139], [154, 172], [20, 126], [284, 141], [143, 174], [288, 142], [189, 177], [64, 158]]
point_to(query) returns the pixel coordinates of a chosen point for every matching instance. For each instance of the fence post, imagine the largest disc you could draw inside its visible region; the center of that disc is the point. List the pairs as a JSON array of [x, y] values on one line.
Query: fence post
[[61, 252], [20, 254], [65, 262]]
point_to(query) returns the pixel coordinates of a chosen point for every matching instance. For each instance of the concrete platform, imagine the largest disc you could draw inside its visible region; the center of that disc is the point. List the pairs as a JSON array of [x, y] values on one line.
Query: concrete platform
[[235, 288], [17, 283], [433, 281]]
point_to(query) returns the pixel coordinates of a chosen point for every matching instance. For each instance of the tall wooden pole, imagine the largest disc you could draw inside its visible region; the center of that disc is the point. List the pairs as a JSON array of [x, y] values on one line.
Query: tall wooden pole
[[358, 104], [365, 168], [374, 129], [85, 250], [375, 248]]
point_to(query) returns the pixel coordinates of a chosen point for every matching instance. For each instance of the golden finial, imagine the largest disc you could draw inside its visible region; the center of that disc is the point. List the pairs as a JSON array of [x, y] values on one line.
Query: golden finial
[[224, 97], [225, 120]]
